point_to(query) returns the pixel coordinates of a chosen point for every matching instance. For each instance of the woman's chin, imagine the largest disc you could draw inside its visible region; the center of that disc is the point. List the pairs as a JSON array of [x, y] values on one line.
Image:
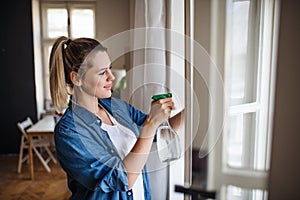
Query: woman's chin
[[108, 94]]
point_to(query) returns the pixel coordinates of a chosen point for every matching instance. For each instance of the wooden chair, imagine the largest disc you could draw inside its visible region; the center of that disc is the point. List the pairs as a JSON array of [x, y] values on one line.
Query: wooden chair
[[38, 144]]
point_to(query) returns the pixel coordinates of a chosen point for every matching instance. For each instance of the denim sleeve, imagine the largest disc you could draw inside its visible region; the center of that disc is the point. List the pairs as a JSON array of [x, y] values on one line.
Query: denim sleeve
[[137, 116], [101, 169]]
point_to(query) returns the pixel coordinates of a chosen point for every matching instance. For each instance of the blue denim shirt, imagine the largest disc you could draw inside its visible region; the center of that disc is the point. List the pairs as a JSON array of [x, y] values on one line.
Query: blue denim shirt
[[89, 158]]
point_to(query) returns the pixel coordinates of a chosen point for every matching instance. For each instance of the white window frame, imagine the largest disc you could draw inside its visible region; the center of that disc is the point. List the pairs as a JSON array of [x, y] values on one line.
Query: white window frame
[[220, 174], [263, 93]]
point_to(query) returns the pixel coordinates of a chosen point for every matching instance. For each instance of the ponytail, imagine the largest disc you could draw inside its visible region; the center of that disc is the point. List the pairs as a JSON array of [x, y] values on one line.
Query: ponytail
[[58, 85]]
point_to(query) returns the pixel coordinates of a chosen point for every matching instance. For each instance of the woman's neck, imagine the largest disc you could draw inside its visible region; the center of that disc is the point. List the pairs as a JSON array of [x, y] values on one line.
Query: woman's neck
[[93, 106], [90, 103], [103, 115]]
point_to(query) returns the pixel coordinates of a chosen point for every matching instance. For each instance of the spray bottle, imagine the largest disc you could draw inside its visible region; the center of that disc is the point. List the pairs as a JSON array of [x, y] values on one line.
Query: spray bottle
[[168, 142]]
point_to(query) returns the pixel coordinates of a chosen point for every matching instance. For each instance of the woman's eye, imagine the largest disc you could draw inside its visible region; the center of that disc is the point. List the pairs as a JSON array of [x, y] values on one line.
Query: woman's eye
[[102, 73]]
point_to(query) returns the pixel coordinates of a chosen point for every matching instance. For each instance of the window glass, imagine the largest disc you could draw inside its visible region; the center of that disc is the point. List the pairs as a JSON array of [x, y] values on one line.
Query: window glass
[[57, 22], [237, 193], [239, 35], [82, 23], [243, 65], [240, 140]]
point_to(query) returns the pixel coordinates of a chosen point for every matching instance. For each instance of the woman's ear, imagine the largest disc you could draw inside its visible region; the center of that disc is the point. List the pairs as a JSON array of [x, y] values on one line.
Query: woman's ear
[[75, 78]]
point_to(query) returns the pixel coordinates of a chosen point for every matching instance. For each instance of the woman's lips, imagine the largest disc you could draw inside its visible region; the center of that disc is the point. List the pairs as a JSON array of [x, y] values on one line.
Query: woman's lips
[[108, 87]]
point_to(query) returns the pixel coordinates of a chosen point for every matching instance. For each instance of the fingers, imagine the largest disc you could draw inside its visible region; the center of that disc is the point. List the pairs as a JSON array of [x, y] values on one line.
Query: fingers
[[166, 106], [161, 110], [166, 103], [161, 101]]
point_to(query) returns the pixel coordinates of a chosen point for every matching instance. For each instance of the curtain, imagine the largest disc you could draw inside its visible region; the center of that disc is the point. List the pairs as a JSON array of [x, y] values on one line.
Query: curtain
[[149, 76]]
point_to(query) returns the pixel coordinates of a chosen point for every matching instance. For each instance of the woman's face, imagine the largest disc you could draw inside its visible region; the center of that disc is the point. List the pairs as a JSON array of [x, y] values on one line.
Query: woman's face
[[97, 80]]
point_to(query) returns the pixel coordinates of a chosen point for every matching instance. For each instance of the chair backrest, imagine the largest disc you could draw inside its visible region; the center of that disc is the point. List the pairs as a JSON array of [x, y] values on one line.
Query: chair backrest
[[24, 125]]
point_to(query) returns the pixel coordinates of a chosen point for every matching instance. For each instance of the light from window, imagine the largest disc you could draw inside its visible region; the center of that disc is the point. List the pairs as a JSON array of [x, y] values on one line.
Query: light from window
[[82, 23], [239, 40], [57, 22], [240, 137], [241, 46], [237, 193]]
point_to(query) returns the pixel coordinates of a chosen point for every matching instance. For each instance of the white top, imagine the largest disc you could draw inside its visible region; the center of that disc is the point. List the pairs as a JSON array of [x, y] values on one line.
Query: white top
[[124, 140]]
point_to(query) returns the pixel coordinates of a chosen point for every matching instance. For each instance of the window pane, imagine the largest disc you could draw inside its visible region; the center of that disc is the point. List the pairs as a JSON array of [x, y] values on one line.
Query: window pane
[[237, 193], [239, 34], [82, 23], [57, 22], [240, 141], [242, 64]]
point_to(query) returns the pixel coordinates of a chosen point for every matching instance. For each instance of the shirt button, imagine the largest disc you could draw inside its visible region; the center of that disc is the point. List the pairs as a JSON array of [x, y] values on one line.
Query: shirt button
[[129, 193], [111, 151]]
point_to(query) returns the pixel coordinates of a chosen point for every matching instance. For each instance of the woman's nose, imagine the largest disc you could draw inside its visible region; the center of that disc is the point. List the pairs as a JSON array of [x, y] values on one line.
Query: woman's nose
[[110, 75]]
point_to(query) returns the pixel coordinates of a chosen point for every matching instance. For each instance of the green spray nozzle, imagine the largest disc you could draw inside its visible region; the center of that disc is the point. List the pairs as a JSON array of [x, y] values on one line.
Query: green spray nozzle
[[161, 96]]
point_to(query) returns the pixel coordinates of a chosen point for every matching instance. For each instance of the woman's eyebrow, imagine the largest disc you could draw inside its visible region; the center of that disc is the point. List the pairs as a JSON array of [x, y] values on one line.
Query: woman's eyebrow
[[104, 69]]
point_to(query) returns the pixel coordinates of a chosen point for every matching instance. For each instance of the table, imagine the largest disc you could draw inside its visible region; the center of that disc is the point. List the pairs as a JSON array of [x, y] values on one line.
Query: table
[[44, 127]]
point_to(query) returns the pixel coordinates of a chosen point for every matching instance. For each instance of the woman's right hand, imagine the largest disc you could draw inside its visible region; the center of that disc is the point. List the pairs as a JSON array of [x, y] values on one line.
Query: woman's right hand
[[134, 162], [160, 111]]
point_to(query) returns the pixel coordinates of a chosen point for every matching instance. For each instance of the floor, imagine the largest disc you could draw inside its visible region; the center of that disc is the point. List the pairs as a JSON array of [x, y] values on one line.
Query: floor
[[53, 185], [46, 186]]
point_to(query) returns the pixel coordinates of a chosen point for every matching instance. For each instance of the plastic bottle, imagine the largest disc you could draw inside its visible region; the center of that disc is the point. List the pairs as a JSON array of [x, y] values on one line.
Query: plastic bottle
[[168, 142]]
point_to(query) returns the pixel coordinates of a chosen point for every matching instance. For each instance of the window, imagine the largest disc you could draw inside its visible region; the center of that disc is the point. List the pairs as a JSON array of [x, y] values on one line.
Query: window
[[249, 36], [247, 76], [244, 125], [64, 19]]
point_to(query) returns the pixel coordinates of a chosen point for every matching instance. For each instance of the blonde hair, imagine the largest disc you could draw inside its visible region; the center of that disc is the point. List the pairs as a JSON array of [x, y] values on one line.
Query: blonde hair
[[66, 56]]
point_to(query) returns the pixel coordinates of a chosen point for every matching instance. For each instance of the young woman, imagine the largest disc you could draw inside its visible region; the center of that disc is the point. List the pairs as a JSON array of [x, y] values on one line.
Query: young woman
[[102, 142]]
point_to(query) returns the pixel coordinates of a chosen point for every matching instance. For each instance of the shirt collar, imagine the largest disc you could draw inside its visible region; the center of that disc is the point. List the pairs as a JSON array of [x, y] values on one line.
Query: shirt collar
[[85, 114]]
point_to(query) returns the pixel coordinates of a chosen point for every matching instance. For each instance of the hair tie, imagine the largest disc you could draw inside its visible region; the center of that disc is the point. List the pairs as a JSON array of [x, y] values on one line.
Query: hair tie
[[68, 42]]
